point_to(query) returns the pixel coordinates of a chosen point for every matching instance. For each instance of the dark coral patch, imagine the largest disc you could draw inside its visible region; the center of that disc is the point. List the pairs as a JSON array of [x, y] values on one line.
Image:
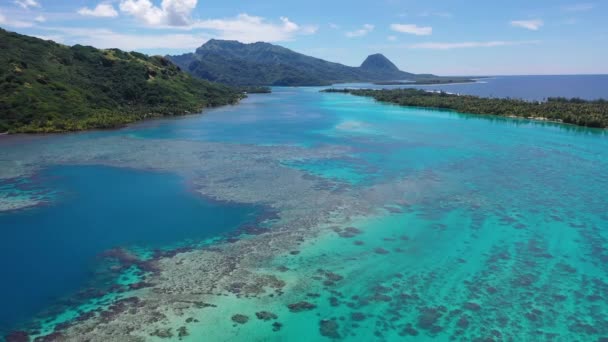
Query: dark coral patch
[[85, 316], [329, 328], [118, 307], [357, 316], [379, 297], [240, 319], [333, 276], [463, 322], [301, 306], [162, 333], [408, 330], [348, 232], [524, 280], [266, 315], [393, 210], [472, 306], [139, 285], [428, 318], [56, 336], [170, 253], [254, 230], [17, 336], [182, 332], [333, 301]]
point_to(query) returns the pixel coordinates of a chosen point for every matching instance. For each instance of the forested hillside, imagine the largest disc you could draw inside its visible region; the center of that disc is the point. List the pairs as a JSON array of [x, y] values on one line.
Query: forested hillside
[[49, 87]]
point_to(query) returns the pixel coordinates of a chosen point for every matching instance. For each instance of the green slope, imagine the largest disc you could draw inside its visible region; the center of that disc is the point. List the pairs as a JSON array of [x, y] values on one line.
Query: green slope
[[48, 87]]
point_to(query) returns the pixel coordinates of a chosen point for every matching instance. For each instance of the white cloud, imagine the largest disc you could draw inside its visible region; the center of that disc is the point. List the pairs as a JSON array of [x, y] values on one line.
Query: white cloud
[[27, 3], [14, 22], [170, 12], [40, 19], [309, 29], [412, 29], [104, 39], [582, 7], [463, 45], [367, 28], [392, 38], [247, 28], [333, 26], [533, 25], [54, 37], [244, 27], [101, 10]]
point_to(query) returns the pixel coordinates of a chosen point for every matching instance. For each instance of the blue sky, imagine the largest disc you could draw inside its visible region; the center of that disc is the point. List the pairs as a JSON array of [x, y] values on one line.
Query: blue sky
[[450, 37]]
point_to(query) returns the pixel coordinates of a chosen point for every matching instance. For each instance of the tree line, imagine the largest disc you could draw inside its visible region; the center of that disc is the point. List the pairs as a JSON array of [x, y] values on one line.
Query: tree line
[[571, 111]]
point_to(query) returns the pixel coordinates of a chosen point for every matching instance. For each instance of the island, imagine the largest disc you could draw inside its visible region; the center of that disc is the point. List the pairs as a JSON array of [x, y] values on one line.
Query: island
[[49, 87], [437, 80], [263, 64], [571, 111]]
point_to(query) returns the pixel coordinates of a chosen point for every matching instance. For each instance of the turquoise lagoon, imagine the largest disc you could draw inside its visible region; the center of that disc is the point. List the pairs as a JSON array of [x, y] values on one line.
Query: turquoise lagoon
[[466, 227]]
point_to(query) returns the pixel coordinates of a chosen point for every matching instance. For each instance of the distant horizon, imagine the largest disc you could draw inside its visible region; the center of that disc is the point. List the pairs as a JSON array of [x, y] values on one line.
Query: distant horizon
[[350, 65], [564, 37]]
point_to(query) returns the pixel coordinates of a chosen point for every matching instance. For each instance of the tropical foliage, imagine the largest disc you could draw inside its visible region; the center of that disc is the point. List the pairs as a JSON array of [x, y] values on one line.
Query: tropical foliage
[[573, 111], [430, 81], [49, 87]]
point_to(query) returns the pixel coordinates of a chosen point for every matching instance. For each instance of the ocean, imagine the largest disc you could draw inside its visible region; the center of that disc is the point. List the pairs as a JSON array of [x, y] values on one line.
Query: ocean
[[301, 215]]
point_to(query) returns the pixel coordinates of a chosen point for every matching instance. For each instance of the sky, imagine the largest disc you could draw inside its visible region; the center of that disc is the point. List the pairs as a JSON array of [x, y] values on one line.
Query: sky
[[448, 37]]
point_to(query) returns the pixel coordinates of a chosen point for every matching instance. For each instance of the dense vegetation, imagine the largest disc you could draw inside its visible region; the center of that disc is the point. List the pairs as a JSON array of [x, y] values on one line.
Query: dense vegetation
[[430, 81], [235, 63], [49, 87], [573, 111]]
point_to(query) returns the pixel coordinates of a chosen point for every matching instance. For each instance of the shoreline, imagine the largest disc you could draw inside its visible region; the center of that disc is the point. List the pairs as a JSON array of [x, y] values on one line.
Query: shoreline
[[122, 125], [580, 113], [430, 83]]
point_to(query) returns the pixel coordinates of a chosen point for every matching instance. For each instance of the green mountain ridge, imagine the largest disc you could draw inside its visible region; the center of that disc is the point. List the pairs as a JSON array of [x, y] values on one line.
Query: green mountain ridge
[[49, 87], [235, 63]]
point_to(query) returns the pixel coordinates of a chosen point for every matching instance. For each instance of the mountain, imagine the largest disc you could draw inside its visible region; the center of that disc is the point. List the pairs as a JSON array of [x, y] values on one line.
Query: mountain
[[49, 87], [235, 63], [379, 63]]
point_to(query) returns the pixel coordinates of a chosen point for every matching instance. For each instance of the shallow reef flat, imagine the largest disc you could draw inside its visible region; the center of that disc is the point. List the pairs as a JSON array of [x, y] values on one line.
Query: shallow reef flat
[[18, 193], [407, 230], [14, 202], [343, 262]]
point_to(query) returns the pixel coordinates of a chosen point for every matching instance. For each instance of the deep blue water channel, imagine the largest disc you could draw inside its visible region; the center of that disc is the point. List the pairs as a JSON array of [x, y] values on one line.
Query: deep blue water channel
[[50, 251]]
